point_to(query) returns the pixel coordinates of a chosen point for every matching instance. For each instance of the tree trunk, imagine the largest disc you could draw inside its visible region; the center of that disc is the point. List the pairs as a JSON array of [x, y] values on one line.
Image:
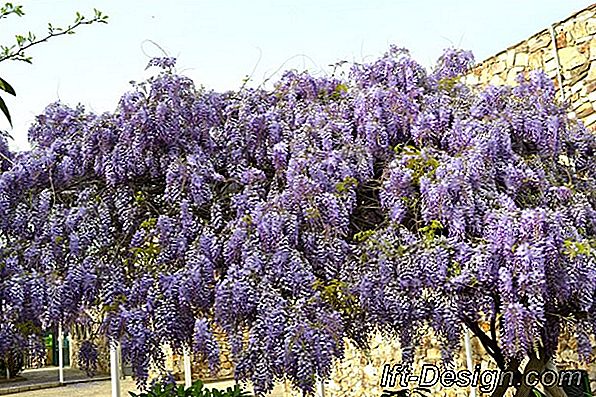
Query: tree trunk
[[536, 365], [556, 390], [502, 389], [539, 365]]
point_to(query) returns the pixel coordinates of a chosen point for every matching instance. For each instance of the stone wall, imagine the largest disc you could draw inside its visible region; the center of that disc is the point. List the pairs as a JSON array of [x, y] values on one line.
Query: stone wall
[[569, 59], [199, 365], [103, 353]]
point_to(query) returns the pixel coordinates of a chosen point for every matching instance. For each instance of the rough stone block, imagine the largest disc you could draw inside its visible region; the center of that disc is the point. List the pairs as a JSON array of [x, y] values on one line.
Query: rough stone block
[[496, 80], [561, 40], [579, 29], [571, 77], [539, 41], [510, 57], [577, 87], [591, 26], [470, 80], [536, 60], [585, 15], [592, 48], [571, 41], [550, 65], [590, 121], [521, 59], [498, 67], [570, 58], [592, 71], [584, 110]]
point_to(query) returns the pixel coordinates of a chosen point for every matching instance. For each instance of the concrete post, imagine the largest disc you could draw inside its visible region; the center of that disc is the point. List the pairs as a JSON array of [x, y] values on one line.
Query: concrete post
[[60, 354], [187, 368], [114, 368]]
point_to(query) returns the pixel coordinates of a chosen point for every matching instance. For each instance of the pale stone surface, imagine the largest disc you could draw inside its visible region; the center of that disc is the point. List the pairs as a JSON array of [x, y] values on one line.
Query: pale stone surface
[[579, 29], [584, 110], [91, 389], [592, 72], [510, 57], [585, 15], [521, 59], [591, 26], [539, 41], [536, 60], [577, 87], [550, 65], [592, 47], [590, 121], [570, 58], [498, 67], [496, 80]]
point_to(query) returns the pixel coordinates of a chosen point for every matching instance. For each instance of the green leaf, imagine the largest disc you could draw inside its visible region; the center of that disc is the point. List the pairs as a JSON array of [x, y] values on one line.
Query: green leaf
[[5, 111], [4, 86], [20, 40], [218, 393], [363, 235], [341, 88]]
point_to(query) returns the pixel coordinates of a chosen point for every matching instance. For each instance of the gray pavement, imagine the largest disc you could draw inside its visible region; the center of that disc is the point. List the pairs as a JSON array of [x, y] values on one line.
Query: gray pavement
[[33, 379], [87, 389]]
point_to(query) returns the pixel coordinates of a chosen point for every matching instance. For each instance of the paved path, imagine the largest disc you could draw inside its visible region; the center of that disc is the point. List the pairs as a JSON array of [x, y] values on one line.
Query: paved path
[[87, 389], [44, 377]]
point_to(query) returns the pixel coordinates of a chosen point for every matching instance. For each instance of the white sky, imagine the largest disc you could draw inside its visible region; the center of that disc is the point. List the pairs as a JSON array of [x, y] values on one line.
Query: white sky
[[219, 42]]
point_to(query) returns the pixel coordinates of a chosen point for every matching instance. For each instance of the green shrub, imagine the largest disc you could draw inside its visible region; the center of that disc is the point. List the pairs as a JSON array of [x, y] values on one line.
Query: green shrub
[[168, 389], [13, 361]]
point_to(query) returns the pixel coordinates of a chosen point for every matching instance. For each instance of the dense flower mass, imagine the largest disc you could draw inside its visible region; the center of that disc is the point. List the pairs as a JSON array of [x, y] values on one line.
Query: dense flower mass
[[393, 200]]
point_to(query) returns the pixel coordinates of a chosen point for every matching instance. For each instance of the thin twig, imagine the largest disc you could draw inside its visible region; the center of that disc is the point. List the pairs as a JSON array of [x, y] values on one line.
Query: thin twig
[[69, 30]]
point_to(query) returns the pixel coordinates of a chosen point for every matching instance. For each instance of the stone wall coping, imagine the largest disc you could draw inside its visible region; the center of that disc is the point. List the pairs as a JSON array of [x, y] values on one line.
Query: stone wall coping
[[591, 7]]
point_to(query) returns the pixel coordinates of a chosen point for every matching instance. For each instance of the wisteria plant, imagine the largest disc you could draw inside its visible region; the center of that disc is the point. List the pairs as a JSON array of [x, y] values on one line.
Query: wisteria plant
[[392, 200]]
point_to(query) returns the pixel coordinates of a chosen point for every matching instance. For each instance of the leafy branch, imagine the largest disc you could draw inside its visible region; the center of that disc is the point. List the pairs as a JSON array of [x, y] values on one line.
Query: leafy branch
[[9, 8], [16, 52]]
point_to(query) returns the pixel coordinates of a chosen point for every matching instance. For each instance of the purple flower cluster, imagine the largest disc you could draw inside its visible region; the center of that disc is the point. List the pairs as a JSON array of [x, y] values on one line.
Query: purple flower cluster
[[162, 62], [393, 200]]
